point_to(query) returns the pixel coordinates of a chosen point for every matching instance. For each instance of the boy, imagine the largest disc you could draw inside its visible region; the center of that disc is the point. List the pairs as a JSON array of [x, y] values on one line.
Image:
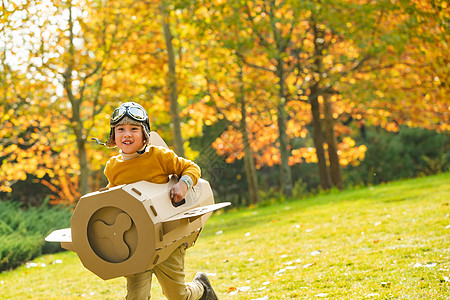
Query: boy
[[139, 160]]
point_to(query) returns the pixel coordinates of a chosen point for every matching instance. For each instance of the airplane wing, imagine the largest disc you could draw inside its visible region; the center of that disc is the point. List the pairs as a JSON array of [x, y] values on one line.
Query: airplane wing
[[61, 236], [198, 211]]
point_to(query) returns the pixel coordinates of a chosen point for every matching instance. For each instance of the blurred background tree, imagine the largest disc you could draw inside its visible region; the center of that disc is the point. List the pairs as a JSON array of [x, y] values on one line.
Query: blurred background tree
[[270, 97]]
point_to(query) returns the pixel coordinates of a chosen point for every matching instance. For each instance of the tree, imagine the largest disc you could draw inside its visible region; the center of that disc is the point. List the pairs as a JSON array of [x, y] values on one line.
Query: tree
[[305, 66], [224, 94], [249, 162], [295, 52], [86, 62], [409, 84], [28, 129], [269, 37], [71, 53], [172, 79], [330, 52]]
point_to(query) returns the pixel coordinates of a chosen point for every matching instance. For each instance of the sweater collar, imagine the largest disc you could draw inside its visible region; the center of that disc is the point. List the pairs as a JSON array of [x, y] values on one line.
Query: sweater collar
[[128, 156]]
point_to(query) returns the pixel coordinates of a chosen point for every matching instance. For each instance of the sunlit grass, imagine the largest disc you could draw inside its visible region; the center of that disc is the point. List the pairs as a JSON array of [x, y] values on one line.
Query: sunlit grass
[[383, 242]]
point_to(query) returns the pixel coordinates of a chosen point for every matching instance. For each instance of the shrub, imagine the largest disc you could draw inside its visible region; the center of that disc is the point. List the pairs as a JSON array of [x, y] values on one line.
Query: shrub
[[17, 249], [22, 231], [411, 152]]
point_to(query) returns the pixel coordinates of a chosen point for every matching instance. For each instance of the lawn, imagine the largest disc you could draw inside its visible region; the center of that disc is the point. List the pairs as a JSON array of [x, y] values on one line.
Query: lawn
[[384, 242]]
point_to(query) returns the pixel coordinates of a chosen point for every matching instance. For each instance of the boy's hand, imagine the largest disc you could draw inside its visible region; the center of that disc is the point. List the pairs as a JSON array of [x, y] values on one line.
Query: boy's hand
[[178, 191]]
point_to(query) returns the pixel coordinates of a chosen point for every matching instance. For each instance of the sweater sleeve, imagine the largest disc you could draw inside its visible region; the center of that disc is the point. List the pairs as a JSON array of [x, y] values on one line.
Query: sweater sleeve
[[180, 166]]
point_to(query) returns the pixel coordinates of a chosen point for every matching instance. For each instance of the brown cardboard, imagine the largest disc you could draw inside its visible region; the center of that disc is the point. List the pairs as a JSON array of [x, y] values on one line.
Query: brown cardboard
[[131, 228]]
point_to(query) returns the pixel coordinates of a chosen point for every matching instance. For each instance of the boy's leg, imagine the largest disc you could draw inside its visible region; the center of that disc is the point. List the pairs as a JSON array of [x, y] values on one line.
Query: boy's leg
[[170, 274], [138, 286]]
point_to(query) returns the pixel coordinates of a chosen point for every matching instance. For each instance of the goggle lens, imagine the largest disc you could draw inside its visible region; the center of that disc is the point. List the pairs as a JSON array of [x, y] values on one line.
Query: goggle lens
[[137, 113], [134, 112], [118, 114]]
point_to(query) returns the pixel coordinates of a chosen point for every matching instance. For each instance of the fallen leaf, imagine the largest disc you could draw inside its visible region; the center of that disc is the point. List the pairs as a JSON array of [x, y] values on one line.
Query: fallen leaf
[[430, 265], [263, 298], [244, 289], [316, 252], [372, 294], [231, 289], [31, 265], [279, 272], [322, 295], [385, 284], [219, 232], [308, 265]]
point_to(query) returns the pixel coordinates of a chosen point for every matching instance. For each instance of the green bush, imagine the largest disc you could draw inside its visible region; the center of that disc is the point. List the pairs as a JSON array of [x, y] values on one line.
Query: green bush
[[408, 153], [22, 231], [17, 249]]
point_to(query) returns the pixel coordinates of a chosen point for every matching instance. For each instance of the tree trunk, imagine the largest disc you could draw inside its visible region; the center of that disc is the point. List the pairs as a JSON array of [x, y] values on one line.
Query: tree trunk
[[335, 168], [172, 82], [78, 130], [249, 162], [84, 167], [325, 182], [76, 122], [285, 169]]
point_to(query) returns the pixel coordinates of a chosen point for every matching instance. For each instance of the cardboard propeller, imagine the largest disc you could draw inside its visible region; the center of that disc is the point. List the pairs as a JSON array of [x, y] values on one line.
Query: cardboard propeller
[[130, 228]]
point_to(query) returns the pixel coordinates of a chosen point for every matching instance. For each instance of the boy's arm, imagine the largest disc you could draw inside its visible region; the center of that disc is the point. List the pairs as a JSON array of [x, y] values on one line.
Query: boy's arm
[[182, 167], [188, 172], [179, 190], [188, 180]]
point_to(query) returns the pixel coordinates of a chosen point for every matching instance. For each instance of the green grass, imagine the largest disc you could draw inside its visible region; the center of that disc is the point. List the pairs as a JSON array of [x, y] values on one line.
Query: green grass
[[385, 242]]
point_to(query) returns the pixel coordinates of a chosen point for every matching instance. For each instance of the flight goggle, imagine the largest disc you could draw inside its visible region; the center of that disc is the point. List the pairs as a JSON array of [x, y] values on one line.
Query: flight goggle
[[135, 112]]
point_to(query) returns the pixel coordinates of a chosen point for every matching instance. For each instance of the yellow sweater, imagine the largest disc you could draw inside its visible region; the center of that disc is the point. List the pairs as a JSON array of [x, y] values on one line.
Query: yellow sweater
[[155, 166]]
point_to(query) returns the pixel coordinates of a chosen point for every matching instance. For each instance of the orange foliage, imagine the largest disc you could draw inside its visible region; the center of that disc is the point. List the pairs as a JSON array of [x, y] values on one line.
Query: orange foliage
[[408, 87]]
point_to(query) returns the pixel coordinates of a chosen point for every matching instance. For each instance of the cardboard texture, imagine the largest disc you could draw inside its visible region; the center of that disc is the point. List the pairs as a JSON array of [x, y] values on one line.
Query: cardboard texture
[[131, 228]]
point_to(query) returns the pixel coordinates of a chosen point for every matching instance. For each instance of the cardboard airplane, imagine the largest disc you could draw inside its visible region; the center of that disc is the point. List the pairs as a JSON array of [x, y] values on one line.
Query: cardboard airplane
[[129, 229]]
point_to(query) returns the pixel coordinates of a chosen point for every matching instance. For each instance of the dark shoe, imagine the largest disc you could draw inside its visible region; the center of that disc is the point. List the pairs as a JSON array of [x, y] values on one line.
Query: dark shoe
[[208, 294]]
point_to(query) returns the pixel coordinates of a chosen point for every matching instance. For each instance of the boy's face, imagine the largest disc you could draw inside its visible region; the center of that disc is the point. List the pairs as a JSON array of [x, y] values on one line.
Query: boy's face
[[129, 138]]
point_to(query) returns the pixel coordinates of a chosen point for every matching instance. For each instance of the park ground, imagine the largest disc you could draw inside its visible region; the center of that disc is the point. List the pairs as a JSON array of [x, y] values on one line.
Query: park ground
[[382, 242]]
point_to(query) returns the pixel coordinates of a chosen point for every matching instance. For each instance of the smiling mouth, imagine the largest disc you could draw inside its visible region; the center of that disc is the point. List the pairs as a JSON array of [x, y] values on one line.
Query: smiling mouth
[[127, 142]]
